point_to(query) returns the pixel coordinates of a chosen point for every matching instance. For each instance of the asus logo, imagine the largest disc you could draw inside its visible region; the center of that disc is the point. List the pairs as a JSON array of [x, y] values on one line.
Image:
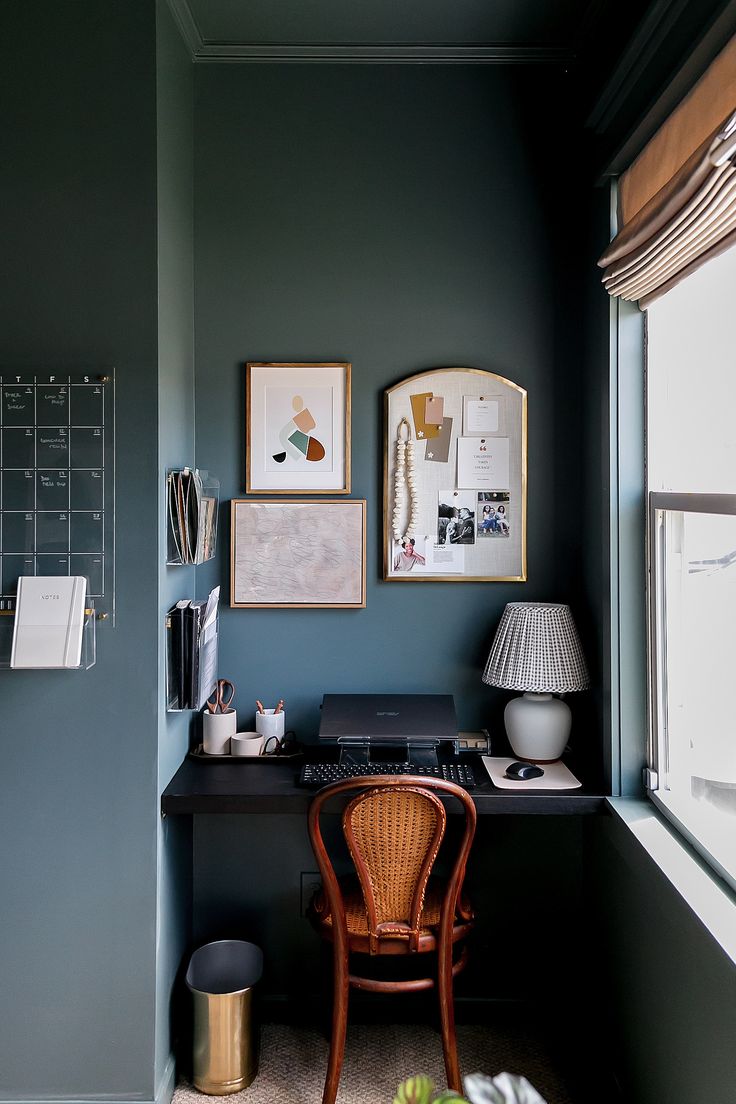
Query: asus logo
[[387, 713]]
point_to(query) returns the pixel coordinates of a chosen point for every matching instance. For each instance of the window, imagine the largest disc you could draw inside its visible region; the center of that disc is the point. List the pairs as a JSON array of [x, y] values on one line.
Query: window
[[691, 465]]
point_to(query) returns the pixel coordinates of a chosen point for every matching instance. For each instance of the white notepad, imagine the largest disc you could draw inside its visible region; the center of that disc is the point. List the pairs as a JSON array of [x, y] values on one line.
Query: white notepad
[[49, 621]]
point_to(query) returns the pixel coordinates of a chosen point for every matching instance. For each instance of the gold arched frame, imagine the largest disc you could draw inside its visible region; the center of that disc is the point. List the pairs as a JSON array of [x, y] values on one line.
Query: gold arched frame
[[387, 444]]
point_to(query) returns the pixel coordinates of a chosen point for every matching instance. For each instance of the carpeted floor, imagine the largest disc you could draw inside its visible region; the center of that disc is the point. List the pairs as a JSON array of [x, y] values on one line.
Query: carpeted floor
[[293, 1062]]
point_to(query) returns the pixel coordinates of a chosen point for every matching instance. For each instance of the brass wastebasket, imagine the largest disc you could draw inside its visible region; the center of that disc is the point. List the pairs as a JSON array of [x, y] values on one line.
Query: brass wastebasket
[[221, 977]]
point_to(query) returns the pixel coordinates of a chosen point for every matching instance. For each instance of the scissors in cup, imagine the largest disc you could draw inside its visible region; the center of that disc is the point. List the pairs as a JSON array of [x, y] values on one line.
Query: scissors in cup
[[223, 695]]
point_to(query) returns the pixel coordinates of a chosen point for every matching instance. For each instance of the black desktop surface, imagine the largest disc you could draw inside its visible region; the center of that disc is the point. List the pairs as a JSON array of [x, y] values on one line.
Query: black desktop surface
[[388, 717], [251, 786]]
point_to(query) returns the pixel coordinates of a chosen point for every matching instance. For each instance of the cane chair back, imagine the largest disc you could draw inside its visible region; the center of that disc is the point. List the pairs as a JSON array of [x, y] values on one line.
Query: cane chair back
[[394, 835]]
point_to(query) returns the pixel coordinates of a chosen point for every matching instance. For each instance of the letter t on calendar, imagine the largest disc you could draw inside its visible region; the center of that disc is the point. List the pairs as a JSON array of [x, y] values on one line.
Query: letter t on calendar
[[483, 463]]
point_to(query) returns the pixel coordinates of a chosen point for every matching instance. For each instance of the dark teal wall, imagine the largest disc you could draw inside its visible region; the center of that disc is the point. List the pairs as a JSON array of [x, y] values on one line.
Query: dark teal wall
[[595, 445], [401, 218], [396, 217], [665, 991], [524, 878], [176, 448], [78, 786]]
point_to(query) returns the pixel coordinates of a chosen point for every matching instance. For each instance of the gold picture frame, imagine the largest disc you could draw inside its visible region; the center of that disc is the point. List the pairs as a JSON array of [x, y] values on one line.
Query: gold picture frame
[[297, 418], [298, 554]]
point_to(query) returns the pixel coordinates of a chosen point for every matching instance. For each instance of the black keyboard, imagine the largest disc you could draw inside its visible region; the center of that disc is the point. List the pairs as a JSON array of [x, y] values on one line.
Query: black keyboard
[[322, 774]]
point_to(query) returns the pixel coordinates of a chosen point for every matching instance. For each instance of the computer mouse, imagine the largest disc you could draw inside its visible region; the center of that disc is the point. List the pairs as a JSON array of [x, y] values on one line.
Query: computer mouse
[[523, 771]]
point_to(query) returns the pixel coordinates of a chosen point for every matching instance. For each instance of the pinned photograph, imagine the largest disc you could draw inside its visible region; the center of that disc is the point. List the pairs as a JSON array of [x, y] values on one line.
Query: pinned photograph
[[409, 554], [493, 514], [456, 517]]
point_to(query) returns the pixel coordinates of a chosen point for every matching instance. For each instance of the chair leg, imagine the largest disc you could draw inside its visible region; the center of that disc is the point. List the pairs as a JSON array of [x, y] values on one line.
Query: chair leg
[[340, 990], [447, 1016]]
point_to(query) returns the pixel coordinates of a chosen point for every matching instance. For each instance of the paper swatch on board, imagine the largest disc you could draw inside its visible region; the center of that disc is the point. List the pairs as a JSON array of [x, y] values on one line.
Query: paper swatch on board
[[434, 410], [422, 429], [438, 448]]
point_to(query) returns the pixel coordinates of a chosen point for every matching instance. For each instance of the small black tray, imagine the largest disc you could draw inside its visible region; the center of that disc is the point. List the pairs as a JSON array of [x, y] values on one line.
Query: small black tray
[[201, 756]]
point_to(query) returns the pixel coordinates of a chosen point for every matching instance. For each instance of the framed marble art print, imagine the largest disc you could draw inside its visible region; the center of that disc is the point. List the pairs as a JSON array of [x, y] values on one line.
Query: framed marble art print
[[297, 428], [299, 553]]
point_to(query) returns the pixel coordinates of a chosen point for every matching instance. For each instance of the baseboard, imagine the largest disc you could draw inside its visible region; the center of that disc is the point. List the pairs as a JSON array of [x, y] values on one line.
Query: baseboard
[[167, 1082], [99, 1098], [164, 1092]]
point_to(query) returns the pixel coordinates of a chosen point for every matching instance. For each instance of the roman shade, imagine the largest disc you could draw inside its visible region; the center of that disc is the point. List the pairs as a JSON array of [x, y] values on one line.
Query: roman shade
[[677, 201]]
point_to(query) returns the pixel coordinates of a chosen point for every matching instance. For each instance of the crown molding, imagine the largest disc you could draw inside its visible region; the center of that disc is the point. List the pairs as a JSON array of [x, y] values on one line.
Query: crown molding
[[203, 50], [387, 53], [187, 25]]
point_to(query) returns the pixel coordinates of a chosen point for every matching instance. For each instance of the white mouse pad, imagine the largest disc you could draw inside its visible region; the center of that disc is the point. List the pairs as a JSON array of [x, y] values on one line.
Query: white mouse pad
[[556, 776]]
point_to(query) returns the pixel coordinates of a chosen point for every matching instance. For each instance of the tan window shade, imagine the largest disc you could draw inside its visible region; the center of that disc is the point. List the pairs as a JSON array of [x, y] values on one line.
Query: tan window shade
[[678, 200], [695, 119]]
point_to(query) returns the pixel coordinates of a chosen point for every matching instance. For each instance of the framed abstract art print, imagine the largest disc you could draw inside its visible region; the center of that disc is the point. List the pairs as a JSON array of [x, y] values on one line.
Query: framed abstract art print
[[297, 428]]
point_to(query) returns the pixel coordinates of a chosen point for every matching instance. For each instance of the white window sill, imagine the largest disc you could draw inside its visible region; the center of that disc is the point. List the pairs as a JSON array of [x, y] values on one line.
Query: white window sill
[[709, 898]]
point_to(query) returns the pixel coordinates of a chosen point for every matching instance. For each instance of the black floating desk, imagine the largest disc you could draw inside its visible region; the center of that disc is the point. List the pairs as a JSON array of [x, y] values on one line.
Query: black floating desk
[[270, 788]]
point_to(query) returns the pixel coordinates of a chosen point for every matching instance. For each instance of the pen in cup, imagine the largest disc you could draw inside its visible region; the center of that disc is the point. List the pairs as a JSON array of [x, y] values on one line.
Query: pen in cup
[[272, 722], [259, 706]]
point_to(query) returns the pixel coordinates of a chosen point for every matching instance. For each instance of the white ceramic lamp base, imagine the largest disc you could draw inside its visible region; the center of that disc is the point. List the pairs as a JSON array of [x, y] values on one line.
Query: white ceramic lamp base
[[538, 727]]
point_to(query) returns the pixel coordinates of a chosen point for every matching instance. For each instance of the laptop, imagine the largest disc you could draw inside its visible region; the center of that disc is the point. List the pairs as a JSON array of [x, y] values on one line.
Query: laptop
[[388, 717]]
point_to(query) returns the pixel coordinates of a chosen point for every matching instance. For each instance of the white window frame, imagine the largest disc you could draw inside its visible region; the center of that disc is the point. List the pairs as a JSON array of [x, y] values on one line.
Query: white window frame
[[660, 503]]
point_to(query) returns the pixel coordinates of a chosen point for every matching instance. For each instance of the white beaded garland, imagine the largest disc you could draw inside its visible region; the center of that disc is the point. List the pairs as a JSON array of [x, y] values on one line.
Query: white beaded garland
[[404, 475]]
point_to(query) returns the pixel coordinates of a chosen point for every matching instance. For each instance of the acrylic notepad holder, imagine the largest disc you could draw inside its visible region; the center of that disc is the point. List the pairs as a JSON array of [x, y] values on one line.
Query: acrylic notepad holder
[[88, 653]]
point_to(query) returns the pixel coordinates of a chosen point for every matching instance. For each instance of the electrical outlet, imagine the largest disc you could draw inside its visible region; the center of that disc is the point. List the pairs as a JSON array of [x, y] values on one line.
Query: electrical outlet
[[310, 883]]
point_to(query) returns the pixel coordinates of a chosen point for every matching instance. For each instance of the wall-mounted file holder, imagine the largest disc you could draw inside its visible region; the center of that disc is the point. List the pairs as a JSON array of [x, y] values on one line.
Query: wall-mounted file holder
[[89, 642], [192, 501], [191, 653]]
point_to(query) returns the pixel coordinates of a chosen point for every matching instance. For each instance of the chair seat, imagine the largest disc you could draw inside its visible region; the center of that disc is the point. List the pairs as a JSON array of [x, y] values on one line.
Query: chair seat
[[391, 942]]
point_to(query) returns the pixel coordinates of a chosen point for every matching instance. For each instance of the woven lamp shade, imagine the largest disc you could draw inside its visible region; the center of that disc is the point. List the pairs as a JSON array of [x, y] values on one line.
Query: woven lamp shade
[[537, 650]]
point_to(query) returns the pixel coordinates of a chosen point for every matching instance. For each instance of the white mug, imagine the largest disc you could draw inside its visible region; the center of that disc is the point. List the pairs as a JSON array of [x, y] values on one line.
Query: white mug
[[246, 743], [271, 723], [217, 728]]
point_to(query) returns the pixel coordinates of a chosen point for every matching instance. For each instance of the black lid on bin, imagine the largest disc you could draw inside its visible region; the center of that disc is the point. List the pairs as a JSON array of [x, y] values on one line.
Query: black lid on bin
[[226, 966]]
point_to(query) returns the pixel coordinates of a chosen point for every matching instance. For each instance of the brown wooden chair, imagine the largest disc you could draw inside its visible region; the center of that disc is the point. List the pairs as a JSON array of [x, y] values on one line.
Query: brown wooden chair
[[393, 828]]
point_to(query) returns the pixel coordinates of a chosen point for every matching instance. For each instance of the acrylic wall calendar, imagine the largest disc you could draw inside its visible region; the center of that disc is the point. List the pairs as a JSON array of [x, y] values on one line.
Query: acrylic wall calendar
[[454, 478], [57, 508]]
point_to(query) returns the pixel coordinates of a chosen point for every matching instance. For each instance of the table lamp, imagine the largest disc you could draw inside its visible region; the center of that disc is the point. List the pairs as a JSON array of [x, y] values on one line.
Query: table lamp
[[537, 650]]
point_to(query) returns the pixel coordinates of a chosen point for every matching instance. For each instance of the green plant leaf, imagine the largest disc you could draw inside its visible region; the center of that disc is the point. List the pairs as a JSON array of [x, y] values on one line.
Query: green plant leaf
[[415, 1090]]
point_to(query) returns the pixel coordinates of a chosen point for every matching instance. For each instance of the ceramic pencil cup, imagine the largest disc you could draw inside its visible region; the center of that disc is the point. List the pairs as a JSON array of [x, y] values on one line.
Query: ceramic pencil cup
[[246, 743], [270, 723], [217, 728]]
